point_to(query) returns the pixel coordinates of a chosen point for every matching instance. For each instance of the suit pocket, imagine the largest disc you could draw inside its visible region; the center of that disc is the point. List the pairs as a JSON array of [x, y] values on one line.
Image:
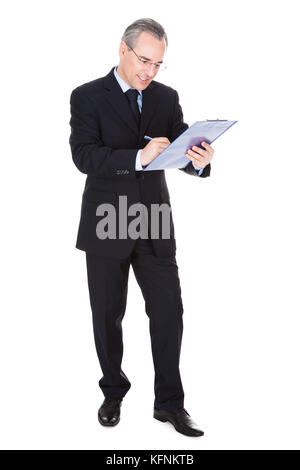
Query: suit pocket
[[100, 196], [92, 212]]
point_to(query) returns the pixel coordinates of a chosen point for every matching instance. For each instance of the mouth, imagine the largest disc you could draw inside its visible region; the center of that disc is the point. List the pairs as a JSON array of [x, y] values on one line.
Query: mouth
[[142, 81]]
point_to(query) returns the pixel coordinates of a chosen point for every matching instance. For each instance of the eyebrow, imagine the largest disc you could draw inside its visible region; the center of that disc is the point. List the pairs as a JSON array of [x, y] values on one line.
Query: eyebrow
[[146, 58]]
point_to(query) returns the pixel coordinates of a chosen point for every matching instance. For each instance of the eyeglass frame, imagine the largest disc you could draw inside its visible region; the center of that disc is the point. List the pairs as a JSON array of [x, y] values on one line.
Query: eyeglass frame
[[147, 62]]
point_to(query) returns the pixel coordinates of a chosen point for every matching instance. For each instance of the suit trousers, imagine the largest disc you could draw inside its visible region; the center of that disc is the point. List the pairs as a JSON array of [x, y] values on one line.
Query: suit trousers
[[159, 282]]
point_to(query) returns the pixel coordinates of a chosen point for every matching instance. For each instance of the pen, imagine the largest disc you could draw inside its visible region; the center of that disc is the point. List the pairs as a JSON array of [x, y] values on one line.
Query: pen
[[147, 137]]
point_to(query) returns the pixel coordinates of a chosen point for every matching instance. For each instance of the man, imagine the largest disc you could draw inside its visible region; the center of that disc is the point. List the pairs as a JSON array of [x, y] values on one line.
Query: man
[[109, 118]]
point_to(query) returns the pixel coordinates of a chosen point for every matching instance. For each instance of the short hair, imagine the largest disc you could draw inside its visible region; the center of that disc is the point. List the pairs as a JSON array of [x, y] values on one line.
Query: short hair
[[132, 31]]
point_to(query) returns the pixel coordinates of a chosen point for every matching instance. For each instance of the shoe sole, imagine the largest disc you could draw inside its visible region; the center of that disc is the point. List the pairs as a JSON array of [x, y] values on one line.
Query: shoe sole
[[164, 420]]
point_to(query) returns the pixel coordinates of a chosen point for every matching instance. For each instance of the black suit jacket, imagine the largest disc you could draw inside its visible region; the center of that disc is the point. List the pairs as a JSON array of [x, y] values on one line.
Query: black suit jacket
[[104, 143]]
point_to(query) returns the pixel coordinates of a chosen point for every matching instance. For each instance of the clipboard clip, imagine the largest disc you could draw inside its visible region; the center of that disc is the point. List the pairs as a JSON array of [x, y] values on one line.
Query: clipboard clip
[[213, 120]]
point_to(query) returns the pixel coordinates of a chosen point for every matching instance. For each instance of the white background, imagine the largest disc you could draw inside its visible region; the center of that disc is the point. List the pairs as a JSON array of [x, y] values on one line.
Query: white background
[[237, 231]]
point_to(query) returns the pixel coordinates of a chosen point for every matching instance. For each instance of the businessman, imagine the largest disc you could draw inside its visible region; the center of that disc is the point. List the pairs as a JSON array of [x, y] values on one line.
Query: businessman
[[110, 117]]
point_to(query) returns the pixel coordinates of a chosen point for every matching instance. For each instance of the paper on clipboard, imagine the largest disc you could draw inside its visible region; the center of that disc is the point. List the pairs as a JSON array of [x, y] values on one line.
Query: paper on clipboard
[[174, 155]]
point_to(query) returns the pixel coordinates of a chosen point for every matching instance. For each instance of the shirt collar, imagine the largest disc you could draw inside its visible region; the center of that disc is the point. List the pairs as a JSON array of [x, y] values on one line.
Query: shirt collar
[[123, 84]]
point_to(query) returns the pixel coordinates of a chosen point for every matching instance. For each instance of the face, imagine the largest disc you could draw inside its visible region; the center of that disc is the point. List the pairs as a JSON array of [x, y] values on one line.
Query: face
[[136, 74]]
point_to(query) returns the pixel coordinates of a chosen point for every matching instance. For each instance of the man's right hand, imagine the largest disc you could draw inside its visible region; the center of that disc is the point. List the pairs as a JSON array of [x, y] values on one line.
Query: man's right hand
[[153, 149]]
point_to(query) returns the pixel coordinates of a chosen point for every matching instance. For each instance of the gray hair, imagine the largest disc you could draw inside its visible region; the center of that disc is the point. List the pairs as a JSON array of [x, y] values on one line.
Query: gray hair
[[132, 32]]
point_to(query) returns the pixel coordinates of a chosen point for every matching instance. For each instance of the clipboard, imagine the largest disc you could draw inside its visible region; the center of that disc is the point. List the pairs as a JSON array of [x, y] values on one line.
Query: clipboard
[[174, 155]]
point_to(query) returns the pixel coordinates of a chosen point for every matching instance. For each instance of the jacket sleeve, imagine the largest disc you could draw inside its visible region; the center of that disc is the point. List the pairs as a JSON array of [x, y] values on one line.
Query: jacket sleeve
[[89, 153], [178, 126]]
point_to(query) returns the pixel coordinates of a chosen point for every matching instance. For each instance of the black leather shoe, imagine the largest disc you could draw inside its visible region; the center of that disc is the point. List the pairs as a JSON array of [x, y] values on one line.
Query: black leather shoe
[[109, 412], [181, 421]]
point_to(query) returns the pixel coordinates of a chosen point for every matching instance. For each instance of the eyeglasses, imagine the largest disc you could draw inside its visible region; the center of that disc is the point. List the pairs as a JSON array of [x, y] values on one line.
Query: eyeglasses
[[158, 66]]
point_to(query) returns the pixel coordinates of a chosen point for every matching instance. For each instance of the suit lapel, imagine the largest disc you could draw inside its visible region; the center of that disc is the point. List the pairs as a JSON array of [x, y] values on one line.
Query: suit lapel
[[119, 102]]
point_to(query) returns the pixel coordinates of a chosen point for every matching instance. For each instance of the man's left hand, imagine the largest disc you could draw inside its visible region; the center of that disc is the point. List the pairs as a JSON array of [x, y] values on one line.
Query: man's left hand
[[200, 157]]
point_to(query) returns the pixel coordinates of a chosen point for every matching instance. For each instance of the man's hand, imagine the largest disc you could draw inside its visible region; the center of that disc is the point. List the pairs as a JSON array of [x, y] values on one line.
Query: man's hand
[[200, 157], [153, 148]]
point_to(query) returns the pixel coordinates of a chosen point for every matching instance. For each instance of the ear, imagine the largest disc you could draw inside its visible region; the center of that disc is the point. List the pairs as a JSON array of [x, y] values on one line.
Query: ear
[[123, 48]]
